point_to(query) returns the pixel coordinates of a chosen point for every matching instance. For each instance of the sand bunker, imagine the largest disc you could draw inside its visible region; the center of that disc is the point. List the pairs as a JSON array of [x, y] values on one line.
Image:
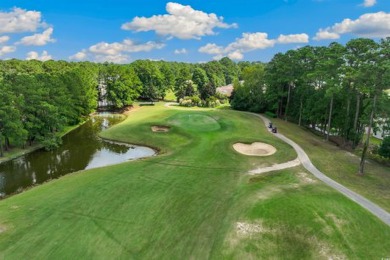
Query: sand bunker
[[255, 149], [160, 128]]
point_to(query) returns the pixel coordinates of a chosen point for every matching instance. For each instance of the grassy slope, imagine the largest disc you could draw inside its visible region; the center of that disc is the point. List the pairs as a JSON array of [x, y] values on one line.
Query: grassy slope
[[342, 166], [291, 215], [185, 203]]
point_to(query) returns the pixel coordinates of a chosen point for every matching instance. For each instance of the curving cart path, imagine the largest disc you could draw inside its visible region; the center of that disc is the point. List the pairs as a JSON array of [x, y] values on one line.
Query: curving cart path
[[362, 201]]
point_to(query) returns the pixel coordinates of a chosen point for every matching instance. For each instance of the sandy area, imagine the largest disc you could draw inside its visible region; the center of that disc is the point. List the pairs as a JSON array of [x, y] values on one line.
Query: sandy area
[[160, 128], [276, 167], [254, 149]]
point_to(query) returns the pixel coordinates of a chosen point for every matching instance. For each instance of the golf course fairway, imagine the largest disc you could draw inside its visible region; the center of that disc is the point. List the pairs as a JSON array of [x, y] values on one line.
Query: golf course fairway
[[194, 200]]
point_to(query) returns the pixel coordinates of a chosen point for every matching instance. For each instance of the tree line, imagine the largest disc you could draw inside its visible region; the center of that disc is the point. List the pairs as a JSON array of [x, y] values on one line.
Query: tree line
[[338, 89], [39, 99]]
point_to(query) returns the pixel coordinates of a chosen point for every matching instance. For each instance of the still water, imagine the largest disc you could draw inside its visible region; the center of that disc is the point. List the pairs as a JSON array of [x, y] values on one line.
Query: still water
[[81, 149]]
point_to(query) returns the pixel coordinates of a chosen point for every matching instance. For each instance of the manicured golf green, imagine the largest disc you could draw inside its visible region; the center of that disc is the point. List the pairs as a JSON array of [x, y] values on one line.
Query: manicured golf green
[[194, 200]]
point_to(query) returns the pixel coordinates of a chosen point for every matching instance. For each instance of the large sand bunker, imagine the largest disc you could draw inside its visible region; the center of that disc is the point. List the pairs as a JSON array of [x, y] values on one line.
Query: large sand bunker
[[255, 149], [160, 128]]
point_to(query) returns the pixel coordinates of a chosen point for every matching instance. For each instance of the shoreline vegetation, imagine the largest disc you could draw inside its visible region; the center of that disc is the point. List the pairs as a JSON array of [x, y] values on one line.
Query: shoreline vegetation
[[67, 131], [16, 152]]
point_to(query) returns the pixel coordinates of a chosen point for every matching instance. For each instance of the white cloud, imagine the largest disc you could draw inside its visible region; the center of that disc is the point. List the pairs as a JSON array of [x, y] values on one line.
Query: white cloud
[[7, 49], [81, 55], [326, 35], [293, 38], [4, 39], [211, 48], [115, 52], [236, 55], [372, 25], [182, 21], [218, 57], [125, 46], [38, 39], [369, 3], [180, 51], [100, 57], [249, 42], [118, 58], [33, 55], [19, 20]]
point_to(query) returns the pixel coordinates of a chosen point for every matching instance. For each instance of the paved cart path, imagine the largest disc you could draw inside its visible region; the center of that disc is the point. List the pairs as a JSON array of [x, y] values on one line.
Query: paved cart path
[[362, 201]]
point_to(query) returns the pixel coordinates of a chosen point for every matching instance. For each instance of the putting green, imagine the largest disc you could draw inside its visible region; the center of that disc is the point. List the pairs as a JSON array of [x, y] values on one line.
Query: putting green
[[195, 122]]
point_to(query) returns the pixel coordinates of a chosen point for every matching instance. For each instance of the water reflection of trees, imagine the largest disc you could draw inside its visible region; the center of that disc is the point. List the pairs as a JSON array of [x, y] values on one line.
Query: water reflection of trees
[[115, 147], [74, 154]]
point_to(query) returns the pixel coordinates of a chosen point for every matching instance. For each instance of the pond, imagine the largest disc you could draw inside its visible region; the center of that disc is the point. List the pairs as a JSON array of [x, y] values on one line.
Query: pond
[[81, 149]]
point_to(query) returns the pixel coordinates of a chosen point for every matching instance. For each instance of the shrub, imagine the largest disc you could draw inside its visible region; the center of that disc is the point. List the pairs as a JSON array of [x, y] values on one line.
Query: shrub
[[270, 114], [384, 149], [212, 102], [196, 100], [185, 102], [223, 99], [190, 101]]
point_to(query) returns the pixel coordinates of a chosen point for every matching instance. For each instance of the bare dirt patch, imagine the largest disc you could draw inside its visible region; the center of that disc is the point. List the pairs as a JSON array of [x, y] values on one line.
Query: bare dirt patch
[[337, 221], [255, 149], [276, 167], [2, 228], [160, 128], [244, 228], [305, 178]]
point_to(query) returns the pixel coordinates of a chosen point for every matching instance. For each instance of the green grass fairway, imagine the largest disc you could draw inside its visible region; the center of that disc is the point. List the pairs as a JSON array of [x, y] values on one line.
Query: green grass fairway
[[193, 201]]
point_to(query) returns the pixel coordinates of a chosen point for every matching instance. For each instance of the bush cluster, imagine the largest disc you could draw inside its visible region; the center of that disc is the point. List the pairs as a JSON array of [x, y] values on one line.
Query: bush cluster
[[195, 101]]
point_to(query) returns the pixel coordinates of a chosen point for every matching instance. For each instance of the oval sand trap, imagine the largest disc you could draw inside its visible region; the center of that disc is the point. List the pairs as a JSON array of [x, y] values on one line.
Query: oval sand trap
[[160, 128], [254, 149]]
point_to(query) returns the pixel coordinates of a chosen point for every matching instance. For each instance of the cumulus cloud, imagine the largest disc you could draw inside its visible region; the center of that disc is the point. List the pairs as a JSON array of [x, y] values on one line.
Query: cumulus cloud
[[118, 58], [125, 46], [116, 51], [369, 3], [38, 39], [182, 21], [211, 48], [371, 25], [33, 55], [249, 42], [4, 39], [81, 55], [19, 20], [293, 38], [7, 49], [236, 55], [326, 35], [180, 51]]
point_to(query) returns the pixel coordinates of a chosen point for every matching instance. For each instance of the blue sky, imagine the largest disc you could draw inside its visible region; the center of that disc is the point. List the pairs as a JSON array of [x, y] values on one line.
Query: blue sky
[[191, 31]]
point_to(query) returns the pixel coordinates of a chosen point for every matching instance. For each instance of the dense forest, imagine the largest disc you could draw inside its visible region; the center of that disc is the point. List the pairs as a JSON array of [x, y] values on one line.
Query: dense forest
[[38, 99], [339, 90]]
